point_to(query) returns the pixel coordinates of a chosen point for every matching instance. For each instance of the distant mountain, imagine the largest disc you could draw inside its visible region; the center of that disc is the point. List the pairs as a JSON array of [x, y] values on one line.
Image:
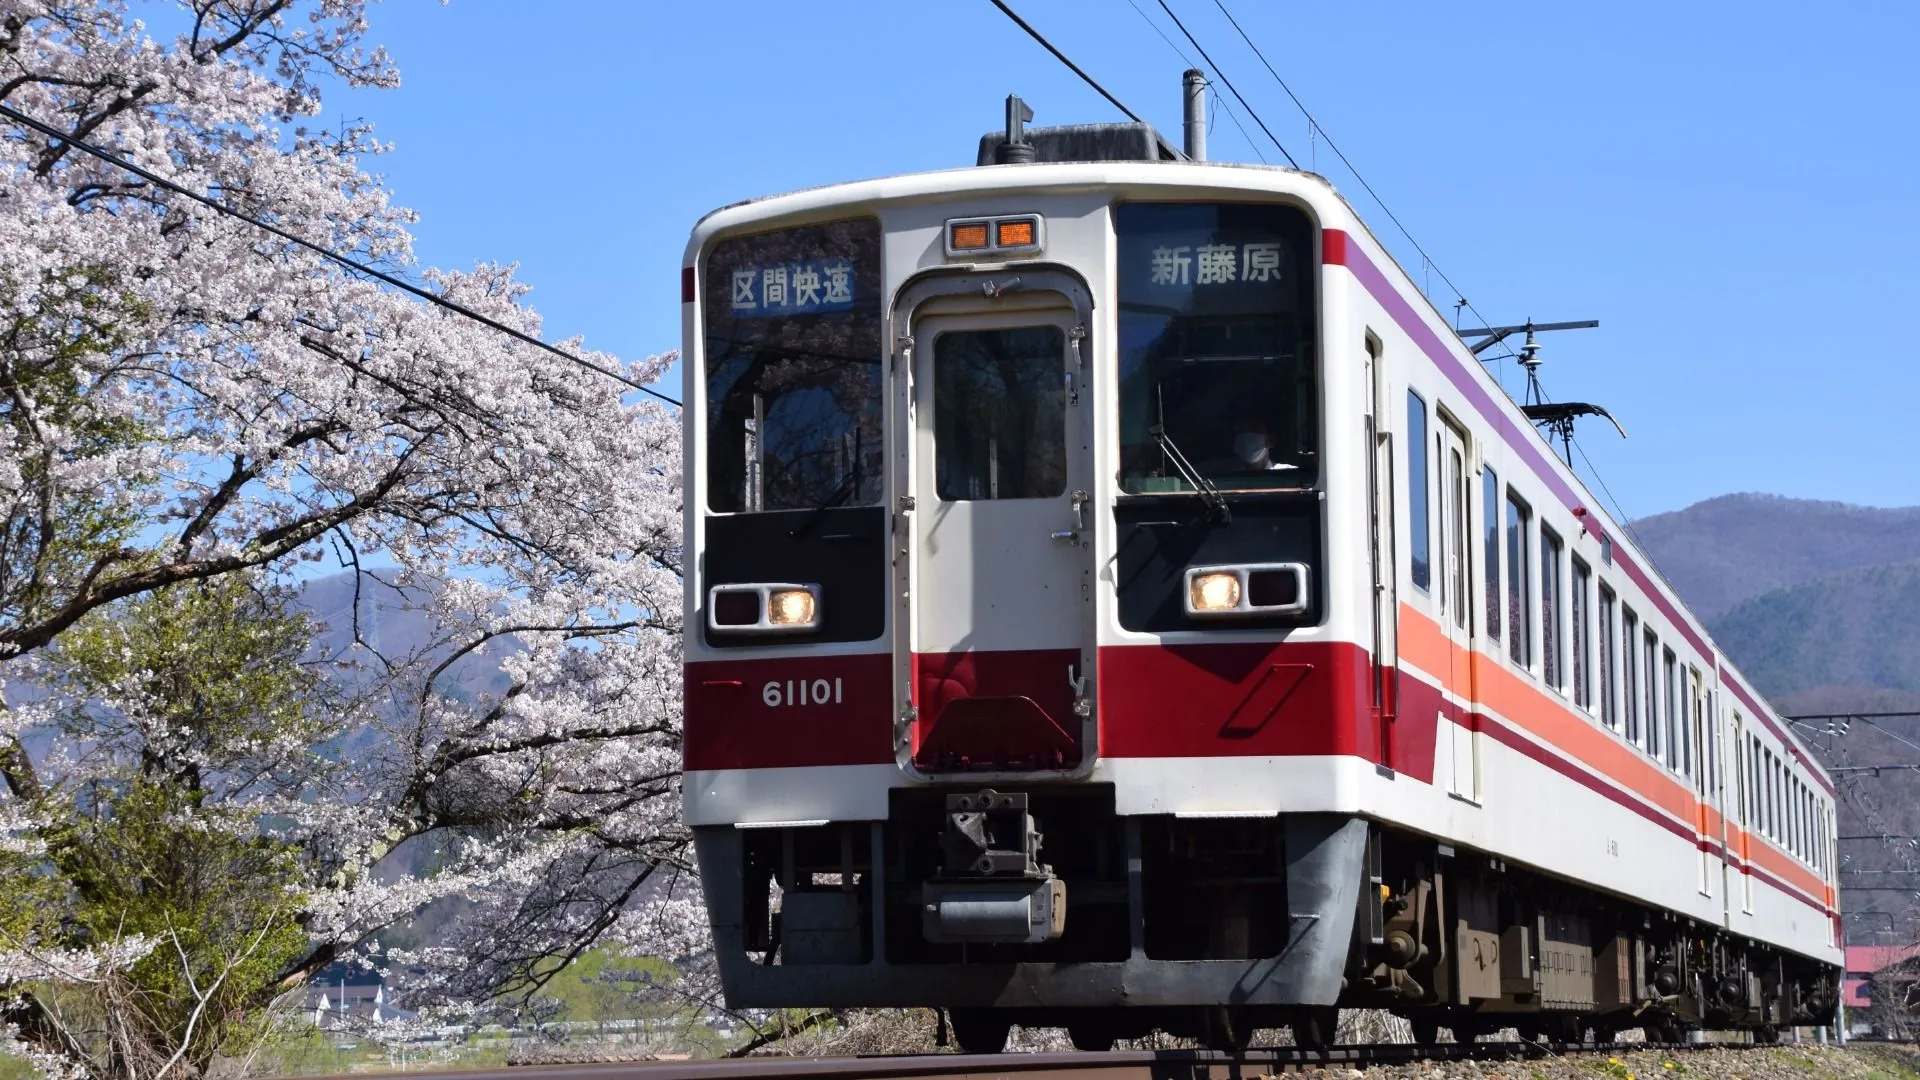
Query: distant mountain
[[1734, 548], [397, 626], [1857, 628], [1819, 605]]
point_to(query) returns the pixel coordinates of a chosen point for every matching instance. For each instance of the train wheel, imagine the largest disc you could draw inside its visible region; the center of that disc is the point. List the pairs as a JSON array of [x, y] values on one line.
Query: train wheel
[[1093, 1038], [1314, 1026], [1426, 1031], [980, 1031]]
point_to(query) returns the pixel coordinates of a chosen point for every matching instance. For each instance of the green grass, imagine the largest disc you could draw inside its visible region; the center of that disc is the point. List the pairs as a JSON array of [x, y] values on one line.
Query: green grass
[[16, 1068]]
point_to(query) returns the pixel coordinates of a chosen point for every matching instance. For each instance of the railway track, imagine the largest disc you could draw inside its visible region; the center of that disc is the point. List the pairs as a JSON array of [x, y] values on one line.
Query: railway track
[[1112, 1065]]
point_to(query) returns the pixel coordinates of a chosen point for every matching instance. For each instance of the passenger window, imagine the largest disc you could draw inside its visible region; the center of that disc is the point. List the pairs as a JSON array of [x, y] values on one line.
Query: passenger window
[[1650, 679], [1674, 705], [1609, 664], [1630, 681], [999, 413], [1552, 645], [1581, 662], [1519, 582], [1491, 514], [1458, 536], [1419, 483]]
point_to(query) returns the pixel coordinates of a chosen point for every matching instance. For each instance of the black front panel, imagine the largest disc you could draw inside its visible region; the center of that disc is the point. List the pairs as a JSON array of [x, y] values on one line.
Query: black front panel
[[841, 549], [1160, 537]]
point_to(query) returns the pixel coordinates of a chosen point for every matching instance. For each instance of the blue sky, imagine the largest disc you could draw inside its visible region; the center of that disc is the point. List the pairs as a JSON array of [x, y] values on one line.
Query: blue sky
[[1727, 187]]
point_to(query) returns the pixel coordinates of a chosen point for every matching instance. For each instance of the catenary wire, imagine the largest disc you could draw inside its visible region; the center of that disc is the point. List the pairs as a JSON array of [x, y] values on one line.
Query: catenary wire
[[1219, 102], [352, 264], [1224, 81], [1337, 152], [1624, 523], [1316, 126], [1062, 57]]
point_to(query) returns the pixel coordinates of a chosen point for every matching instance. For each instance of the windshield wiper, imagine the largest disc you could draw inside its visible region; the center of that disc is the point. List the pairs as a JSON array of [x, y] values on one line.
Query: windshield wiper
[[1215, 501]]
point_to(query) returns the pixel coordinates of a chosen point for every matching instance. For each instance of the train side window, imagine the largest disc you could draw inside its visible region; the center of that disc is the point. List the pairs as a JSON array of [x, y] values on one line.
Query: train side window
[[1459, 533], [1519, 581], [1692, 720], [1740, 774], [1805, 819], [1580, 659], [999, 413], [1490, 511], [1419, 485], [1799, 819], [1629, 668], [1609, 663], [1670, 666], [1773, 797], [1650, 681], [1552, 640]]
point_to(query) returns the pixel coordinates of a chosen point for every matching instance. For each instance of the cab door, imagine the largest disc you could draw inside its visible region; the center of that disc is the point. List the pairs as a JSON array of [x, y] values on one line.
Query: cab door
[[1000, 535]]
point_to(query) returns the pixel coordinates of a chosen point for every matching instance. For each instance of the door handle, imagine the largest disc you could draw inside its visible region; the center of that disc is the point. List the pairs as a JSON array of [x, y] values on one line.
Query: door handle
[[1064, 534], [1079, 500]]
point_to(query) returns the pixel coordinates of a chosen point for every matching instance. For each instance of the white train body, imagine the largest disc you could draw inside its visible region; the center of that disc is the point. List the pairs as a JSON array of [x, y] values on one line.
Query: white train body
[[1541, 757]]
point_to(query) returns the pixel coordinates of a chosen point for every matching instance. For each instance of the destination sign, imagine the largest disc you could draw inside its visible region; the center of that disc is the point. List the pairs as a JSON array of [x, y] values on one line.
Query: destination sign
[[793, 288]]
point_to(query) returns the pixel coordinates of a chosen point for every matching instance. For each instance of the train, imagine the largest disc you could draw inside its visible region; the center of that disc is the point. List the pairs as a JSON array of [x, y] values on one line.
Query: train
[[1118, 600]]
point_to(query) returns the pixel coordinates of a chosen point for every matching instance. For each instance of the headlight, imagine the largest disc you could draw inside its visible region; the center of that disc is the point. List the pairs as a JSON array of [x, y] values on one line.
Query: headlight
[[763, 608], [1214, 592], [790, 607], [1246, 590]]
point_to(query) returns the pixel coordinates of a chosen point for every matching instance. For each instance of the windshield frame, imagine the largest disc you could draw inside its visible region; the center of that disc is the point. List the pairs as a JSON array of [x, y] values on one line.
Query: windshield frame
[[1155, 316], [762, 361]]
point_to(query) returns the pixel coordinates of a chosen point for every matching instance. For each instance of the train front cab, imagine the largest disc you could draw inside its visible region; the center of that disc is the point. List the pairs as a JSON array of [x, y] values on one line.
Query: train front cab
[[1010, 530]]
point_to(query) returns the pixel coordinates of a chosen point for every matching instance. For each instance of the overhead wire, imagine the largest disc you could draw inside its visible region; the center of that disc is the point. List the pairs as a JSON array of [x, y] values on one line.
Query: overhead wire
[[350, 263], [1314, 125], [1224, 81], [1220, 103], [1063, 58]]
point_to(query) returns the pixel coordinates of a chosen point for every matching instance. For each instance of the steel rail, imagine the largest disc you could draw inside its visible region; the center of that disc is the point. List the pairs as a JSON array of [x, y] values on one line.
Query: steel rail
[[1112, 1065]]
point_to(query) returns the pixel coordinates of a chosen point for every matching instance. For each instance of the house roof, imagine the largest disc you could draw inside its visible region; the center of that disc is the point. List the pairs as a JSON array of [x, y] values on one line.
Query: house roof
[[1867, 959]]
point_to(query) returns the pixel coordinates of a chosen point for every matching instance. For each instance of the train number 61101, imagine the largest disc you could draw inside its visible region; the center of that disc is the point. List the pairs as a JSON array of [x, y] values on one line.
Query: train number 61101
[[801, 692]]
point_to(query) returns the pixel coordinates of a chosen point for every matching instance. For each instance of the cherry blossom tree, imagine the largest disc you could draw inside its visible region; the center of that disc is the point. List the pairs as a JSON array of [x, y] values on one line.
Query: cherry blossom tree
[[196, 416]]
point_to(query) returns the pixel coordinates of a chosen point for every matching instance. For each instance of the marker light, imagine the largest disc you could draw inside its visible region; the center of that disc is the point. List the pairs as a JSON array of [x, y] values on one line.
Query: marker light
[[1022, 234], [791, 608], [1015, 233], [967, 236], [1214, 592]]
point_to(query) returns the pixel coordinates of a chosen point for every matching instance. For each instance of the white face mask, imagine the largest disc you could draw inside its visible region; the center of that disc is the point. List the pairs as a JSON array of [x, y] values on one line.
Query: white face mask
[[1251, 446]]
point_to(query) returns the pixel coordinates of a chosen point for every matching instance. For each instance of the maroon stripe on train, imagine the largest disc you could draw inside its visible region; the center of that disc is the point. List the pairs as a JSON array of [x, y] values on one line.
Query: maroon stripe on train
[[750, 713], [1509, 737], [1338, 249], [1256, 699], [996, 709]]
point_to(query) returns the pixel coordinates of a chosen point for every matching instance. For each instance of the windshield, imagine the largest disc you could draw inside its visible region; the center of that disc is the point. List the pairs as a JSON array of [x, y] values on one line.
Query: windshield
[[793, 366], [1217, 346]]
